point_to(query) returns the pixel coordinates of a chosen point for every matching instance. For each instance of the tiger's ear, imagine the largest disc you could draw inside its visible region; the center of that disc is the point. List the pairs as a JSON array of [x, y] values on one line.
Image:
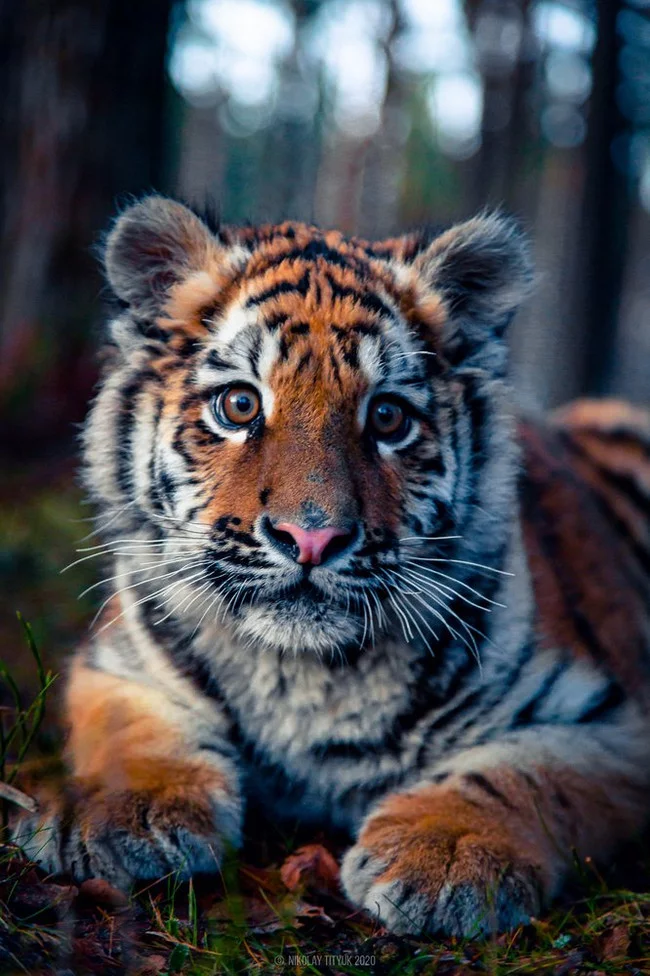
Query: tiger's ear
[[482, 271], [156, 245]]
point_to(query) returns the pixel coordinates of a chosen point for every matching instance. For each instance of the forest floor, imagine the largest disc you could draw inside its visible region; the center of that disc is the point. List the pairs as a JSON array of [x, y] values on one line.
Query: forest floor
[[277, 908]]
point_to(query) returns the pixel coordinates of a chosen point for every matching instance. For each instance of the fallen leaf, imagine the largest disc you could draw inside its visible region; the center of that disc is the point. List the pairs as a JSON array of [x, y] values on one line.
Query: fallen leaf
[[304, 910], [311, 866], [153, 965], [616, 942], [103, 893]]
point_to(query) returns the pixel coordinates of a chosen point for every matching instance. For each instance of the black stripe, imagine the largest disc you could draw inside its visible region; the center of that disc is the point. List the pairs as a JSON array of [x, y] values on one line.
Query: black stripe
[[431, 465], [604, 702], [549, 538], [167, 486], [366, 299], [154, 493], [125, 426], [336, 372], [304, 361], [273, 322], [317, 248], [484, 784], [149, 330], [255, 353], [281, 287], [526, 714], [214, 360], [625, 486], [622, 482]]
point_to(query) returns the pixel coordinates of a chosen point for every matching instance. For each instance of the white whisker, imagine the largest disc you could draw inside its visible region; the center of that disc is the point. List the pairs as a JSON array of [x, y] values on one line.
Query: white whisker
[[138, 583], [436, 572], [443, 588]]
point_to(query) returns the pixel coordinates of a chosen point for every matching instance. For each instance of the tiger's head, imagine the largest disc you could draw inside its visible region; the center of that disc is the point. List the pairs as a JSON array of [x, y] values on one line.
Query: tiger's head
[[289, 413]]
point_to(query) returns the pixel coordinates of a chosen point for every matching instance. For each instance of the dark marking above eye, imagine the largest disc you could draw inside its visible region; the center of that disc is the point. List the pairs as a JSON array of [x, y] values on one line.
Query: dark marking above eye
[[265, 494], [254, 354], [300, 328], [274, 322], [216, 361]]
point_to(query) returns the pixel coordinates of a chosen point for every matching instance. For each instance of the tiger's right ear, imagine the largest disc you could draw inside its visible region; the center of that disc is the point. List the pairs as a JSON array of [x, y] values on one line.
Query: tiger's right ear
[[164, 262]]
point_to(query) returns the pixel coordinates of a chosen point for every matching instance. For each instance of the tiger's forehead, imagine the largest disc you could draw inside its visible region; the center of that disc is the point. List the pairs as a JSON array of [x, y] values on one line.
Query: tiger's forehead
[[312, 303]]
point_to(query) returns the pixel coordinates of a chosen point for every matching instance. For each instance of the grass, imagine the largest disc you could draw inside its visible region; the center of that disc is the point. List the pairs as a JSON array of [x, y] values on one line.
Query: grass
[[273, 909]]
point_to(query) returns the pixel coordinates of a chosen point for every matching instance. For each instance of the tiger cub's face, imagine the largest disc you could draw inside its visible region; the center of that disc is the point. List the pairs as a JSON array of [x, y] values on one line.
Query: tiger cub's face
[[287, 409]]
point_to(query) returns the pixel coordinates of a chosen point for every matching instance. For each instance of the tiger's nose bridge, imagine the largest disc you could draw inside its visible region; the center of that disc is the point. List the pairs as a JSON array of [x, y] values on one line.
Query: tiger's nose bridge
[[314, 500], [311, 479]]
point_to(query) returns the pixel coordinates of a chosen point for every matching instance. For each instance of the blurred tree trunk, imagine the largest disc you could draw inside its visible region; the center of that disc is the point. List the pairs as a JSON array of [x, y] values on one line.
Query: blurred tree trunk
[[605, 210], [83, 90], [508, 71]]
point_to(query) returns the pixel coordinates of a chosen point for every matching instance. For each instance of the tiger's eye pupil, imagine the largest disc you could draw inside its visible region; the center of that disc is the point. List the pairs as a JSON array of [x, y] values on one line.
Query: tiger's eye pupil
[[242, 403], [385, 414]]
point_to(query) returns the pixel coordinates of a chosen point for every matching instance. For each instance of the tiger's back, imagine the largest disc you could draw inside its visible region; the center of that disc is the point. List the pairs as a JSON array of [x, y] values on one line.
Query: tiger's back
[[585, 495]]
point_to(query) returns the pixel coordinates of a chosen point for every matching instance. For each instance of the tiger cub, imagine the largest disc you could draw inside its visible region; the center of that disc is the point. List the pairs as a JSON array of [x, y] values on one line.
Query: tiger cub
[[347, 581]]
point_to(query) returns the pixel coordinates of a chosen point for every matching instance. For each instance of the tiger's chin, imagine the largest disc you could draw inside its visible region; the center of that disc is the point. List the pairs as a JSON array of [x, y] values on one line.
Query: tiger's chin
[[298, 626]]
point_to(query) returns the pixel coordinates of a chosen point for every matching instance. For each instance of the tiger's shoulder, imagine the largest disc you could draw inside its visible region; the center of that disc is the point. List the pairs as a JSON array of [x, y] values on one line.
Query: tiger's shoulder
[[585, 502]]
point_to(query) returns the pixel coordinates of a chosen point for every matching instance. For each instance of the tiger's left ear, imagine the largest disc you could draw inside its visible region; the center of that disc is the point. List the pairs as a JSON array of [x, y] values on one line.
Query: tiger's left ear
[[482, 271], [165, 265]]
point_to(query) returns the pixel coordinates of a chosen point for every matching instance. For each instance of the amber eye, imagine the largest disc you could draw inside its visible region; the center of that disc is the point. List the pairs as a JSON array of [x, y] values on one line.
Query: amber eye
[[237, 406], [388, 420]]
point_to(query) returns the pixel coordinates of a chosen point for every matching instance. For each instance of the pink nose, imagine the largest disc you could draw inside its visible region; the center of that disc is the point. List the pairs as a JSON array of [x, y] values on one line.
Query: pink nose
[[311, 543]]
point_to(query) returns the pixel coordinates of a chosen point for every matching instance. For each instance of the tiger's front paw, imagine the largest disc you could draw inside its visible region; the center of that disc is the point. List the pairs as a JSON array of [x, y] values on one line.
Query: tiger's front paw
[[181, 823], [426, 870]]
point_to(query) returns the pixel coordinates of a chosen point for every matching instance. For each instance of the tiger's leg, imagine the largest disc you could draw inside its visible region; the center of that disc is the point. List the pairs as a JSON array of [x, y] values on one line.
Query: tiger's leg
[[153, 789], [487, 842]]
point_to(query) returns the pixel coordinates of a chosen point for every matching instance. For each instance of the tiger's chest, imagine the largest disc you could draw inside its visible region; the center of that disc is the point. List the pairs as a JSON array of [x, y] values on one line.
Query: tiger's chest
[[321, 743]]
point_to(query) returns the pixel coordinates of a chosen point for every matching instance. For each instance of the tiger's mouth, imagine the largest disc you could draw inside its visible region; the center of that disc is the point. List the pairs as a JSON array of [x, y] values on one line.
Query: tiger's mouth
[[302, 596], [304, 590], [299, 616]]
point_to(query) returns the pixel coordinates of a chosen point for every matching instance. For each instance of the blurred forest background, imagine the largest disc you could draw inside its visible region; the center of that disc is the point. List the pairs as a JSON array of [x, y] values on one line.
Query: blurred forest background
[[369, 115]]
